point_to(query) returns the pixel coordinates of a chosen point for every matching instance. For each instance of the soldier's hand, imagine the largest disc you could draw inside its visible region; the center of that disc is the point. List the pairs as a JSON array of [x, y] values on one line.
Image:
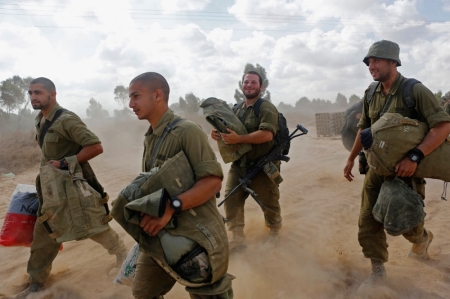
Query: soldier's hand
[[348, 170], [405, 168], [231, 137], [152, 225], [54, 163], [215, 135]]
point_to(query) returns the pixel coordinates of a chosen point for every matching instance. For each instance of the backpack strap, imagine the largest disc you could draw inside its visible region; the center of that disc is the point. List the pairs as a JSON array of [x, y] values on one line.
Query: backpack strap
[[48, 124], [407, 93], [257, 106], [373, 86], [167, 129]]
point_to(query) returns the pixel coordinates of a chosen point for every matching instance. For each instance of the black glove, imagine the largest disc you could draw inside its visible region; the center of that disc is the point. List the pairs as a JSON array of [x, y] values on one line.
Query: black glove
[[366, 138]]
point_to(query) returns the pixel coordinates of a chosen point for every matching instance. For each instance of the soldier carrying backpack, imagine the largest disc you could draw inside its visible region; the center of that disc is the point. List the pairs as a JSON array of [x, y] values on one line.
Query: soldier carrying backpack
[[261, 119]]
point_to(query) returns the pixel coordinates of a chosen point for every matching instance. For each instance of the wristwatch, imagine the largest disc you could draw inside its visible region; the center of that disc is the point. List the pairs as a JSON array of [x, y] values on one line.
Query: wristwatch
[[415, 155], [177, 205], [63, 164]]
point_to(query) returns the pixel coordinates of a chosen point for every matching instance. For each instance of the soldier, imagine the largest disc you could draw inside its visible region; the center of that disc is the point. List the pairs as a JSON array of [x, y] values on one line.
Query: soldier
[[66, 135], [261, 131], [383, 60], [195, 210]]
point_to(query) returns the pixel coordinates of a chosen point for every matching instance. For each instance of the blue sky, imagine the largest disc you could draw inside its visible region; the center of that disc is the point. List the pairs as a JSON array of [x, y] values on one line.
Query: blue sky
[[310, 48]]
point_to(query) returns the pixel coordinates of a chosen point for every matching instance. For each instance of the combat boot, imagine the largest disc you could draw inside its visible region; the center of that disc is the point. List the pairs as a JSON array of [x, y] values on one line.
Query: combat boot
[[420, 250], [237, 241], [34, 287], [120, 258], [377, 277], [272, 239]]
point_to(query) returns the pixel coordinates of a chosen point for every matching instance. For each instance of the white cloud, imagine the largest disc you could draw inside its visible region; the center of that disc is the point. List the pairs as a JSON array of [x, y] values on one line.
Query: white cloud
[[182, 5]]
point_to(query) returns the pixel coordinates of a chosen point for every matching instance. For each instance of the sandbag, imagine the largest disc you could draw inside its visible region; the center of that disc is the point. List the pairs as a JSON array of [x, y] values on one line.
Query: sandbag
[[393, 136], [398, 207], [128, 269], [20, 218], [221, 117]]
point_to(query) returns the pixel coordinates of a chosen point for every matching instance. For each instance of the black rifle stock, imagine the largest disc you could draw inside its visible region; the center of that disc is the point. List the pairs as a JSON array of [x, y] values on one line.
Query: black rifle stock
[[273, 155]]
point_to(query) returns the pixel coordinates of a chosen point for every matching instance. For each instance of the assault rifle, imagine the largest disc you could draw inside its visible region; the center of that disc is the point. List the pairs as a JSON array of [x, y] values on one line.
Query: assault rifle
[[274, 155]]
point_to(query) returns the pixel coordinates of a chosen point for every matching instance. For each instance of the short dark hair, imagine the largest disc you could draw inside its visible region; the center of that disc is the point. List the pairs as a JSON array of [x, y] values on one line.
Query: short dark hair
[[47, 83], [253, 73], [154, 81]]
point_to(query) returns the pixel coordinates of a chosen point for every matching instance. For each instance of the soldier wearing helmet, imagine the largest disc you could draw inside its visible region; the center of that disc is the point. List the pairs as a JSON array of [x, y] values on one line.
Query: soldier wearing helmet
[[382, 61]]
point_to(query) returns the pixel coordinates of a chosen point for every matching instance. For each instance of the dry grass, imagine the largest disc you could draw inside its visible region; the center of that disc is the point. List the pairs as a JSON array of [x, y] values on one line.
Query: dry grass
[[19, 151]]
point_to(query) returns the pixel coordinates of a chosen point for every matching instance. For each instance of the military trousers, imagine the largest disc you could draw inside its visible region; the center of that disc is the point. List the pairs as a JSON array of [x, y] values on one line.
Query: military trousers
[[268, 193], [151, 281], [371, 234], [44, 250]]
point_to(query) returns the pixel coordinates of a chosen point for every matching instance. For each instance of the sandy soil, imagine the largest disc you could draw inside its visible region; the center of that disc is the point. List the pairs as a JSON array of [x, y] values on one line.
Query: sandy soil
[[318, 255]]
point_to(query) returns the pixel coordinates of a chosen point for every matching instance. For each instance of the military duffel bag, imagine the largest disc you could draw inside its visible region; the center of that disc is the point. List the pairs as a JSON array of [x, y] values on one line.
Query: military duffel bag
[[393, 136]]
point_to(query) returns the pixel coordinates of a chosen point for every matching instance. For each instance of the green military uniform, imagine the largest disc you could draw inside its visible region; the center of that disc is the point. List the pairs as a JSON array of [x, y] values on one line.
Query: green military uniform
[[371, 235], [154, 277], [267, 190], [64, 138]]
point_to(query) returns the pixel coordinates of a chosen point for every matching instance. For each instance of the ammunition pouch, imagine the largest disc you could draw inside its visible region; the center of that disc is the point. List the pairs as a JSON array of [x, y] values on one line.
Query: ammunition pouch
[[273, 173]]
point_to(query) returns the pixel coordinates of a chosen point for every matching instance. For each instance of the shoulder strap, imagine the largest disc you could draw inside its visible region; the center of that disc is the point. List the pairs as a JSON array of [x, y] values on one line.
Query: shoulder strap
[[407, 93], [373, 86], [167, 129], [48, 124], [257, 106]]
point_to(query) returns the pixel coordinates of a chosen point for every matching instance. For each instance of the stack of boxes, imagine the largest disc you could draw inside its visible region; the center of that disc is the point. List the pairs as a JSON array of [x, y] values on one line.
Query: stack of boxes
[[329, 124]]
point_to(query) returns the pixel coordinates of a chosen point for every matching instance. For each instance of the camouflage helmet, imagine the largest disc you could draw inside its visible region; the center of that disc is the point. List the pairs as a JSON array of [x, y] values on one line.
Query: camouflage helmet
[[384, 49], [398, 207]]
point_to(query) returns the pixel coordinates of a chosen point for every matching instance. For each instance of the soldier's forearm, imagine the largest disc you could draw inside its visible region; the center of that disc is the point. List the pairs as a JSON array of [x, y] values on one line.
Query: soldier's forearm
[[89, 152], [201, 192], [257, 137], [434, 138]]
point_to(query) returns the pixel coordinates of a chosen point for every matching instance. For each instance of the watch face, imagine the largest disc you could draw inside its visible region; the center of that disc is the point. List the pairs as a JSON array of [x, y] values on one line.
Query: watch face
[[414, 158], [176, 203]]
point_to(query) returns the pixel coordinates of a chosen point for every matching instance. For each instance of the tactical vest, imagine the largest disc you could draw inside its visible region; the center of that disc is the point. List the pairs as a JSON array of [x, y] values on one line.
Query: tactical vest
[[71, 208], [395, 135], [202, 224]]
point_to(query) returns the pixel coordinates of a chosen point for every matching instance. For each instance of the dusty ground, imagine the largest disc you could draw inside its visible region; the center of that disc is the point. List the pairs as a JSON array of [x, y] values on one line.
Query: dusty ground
[[318, 255]]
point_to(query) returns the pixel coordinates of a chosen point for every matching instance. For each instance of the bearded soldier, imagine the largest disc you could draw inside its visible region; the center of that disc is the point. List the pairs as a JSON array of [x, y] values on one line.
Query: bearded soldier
[[64, 139]]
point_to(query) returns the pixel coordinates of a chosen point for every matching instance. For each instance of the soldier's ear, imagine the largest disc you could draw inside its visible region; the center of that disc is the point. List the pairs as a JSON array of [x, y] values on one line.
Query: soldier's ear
[[159, 96]]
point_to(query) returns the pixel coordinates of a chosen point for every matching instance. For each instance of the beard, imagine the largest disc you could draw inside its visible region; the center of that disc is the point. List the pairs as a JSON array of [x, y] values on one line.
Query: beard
[[251, 95], [40, 106]]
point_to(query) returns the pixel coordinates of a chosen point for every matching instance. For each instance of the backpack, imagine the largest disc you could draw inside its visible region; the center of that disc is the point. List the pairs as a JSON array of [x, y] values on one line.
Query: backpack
[[282, 135], [407, 95]]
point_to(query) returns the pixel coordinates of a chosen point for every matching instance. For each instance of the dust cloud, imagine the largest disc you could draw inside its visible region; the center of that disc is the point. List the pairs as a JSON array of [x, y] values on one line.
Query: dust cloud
[[318, 255]]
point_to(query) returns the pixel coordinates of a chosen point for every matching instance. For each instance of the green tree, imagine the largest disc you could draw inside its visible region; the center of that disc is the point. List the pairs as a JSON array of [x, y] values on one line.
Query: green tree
[[123, 114], [190, 104], [341, 100], [121, 95], [265, 94], [438, 96], [14, 96], [95, 110], [353, 99], [303, 103], [284, 107]]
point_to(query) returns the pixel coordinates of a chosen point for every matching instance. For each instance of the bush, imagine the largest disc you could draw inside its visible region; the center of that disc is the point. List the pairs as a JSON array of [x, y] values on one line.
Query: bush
[[19, 151]]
